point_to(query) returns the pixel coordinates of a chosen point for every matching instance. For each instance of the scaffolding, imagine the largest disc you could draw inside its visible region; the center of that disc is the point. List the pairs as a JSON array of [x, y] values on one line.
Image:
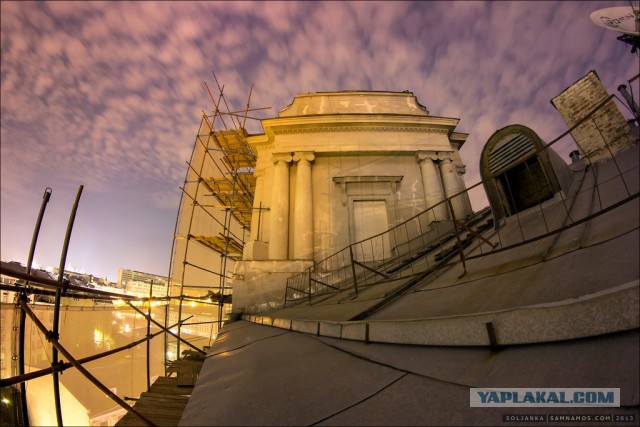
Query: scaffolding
[[212, 224], [214, 215]]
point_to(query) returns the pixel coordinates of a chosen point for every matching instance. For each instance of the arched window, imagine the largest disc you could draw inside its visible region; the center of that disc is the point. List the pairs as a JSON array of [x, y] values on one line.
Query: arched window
[[517, 171]]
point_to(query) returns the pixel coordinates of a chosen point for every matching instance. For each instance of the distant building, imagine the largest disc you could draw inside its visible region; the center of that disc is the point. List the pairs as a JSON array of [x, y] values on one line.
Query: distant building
[[8, 296], [137, 283]]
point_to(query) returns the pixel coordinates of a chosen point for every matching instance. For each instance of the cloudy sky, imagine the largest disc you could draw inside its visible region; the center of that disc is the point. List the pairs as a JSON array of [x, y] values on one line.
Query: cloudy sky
[[110, 94]]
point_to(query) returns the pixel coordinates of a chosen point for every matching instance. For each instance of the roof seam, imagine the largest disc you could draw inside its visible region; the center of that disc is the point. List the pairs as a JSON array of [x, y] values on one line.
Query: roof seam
[[249, 324], [523, 267], [245, 345], [366, 359], [362, 400]]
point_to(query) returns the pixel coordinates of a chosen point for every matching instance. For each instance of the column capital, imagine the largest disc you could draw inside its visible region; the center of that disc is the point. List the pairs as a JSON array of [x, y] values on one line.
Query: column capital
[[258, 173], [425, 155], [433, 155], [304, 155], [281, 157]]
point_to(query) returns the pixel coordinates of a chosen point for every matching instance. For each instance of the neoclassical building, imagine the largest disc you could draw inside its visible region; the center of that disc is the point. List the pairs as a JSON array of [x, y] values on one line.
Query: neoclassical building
[[335, 168]]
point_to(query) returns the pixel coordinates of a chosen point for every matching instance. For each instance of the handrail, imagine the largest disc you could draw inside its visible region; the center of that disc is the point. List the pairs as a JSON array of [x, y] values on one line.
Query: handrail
[[302, 282]]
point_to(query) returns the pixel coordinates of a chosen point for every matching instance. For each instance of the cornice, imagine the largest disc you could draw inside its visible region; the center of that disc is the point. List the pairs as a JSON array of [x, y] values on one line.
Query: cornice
[[359, 120], [323, 129], [368, 178]]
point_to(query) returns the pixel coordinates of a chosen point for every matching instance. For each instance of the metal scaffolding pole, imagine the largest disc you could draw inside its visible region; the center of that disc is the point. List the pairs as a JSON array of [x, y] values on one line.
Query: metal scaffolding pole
[[36, 232], [56, 311], [224, 170]]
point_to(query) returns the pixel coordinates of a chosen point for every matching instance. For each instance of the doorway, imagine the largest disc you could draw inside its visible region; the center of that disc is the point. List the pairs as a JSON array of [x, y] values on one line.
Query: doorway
[[369, 218]]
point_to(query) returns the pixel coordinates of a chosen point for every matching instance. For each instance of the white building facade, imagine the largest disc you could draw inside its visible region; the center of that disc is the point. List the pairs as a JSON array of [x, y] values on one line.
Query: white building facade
[[335, 168]]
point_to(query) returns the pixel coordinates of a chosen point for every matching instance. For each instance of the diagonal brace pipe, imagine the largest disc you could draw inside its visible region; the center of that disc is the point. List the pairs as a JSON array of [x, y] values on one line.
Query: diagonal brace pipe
[[166, 329], [60, 367], [54, 341]]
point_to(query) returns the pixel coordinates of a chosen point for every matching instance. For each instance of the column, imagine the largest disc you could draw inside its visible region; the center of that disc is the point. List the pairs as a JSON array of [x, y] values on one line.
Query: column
[[279, 209], [257, 214], [451, 187], [468, 210], [433, 192], [303, 209]]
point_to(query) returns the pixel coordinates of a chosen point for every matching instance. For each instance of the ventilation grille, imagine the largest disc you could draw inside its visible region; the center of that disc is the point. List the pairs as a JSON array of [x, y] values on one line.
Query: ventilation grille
[[508, 151]]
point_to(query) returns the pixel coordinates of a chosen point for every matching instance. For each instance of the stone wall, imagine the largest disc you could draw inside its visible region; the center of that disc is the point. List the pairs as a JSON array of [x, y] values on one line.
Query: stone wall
[[260, 285], [606, 127]]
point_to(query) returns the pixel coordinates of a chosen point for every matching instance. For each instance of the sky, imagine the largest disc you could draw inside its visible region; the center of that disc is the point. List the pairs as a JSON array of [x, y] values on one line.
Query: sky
[[109, 95]]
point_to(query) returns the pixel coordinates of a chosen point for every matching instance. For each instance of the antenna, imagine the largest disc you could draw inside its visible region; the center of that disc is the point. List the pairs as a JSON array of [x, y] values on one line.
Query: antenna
[[623, 19]]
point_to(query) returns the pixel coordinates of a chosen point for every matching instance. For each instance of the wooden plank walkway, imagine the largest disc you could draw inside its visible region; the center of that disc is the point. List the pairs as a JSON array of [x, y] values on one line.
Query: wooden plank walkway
[[165, 402]]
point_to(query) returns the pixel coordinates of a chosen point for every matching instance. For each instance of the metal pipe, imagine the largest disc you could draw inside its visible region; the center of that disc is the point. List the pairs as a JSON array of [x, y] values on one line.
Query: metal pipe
[[23, 388], [168, 331], [56, 311], [259, 219], [247, 108], [353, 269], [458, 242], [34, 240], [173, 245], [35, 291], [148, 335], [202, 268], [191, 216], [228, 215], [199, 323], [630, 101], [309, 288], [54, 340], [54, 284]]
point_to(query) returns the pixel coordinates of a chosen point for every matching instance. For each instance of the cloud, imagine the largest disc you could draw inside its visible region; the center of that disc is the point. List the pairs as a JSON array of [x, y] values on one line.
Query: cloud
[[110, 93]]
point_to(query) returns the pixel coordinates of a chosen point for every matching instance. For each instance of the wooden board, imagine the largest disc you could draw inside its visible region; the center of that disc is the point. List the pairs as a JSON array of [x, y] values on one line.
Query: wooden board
[[166, 401]]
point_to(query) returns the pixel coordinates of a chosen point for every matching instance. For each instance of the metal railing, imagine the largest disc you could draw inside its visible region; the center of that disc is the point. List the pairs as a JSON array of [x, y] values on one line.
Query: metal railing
[[419, 243], [416, 245], [42, 286], [405, 250], [30, 285]]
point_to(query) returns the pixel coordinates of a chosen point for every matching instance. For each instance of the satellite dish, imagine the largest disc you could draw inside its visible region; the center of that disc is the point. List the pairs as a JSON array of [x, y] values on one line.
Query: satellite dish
[[624, 19]]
